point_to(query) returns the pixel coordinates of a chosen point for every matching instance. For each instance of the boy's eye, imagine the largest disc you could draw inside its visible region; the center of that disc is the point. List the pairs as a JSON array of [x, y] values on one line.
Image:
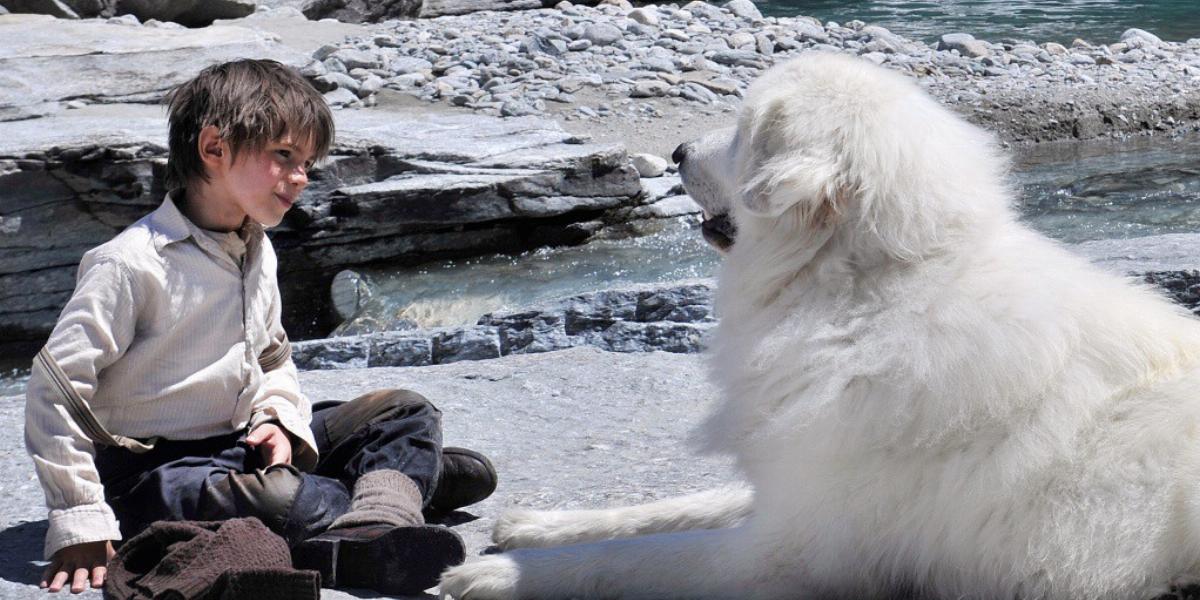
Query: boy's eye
[[284, 153]]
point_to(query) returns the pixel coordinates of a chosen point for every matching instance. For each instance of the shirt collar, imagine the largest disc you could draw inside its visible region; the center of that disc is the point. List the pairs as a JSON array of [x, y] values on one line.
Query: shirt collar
[[169, 225]]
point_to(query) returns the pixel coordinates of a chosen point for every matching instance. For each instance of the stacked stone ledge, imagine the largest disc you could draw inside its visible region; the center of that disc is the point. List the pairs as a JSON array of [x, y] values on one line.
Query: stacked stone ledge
[[670, 318], [673, 318]]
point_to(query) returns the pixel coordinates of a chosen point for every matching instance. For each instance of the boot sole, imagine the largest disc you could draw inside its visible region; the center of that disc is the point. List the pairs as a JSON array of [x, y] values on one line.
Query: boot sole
[[403, 561]]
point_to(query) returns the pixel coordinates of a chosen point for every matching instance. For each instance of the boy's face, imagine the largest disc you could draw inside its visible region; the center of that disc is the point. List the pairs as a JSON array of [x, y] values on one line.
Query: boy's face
[[265, 183]]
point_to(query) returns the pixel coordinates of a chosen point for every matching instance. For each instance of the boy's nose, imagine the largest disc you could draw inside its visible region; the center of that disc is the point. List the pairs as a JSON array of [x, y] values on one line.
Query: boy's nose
[[299, 176]]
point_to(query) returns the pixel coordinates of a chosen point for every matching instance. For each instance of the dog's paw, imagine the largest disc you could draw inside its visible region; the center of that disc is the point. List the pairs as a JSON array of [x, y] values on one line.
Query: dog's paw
[[484, 578], [525, 529]]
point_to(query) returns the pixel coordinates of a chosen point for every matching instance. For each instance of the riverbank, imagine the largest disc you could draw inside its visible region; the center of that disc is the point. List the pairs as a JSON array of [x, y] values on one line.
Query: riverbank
[[659, 74]]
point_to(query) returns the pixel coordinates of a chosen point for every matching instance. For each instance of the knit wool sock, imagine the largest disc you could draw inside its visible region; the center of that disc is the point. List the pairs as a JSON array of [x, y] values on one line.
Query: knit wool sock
[[385, 497]]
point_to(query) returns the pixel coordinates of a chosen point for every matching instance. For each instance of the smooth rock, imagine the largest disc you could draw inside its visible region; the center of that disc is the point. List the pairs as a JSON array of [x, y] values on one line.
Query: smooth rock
[[1142, 36], [602, 34], [673, 206], [404, 65], [649, 165], [649, 88], [744, 9], [965, 44], [645, 16], [355, 59]]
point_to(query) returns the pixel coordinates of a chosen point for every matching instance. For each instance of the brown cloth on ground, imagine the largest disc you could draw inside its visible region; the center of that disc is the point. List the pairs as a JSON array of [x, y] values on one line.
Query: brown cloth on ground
[[218, 560]]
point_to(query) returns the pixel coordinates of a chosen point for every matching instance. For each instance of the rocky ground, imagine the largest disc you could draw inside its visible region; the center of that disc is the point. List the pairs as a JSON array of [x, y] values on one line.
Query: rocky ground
[[575, 428]]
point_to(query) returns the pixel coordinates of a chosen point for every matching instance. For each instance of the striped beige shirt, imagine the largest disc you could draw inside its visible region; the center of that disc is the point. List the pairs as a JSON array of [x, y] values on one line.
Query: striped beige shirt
[[161, 338]]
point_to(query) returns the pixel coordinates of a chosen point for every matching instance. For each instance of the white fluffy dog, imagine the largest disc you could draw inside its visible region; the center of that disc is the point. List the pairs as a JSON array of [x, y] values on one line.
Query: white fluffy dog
[[928, 398]]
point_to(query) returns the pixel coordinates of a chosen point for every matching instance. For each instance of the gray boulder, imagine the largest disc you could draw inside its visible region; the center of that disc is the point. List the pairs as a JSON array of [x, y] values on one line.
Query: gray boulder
[[965, 44], [744, 9], [1141, 36], [192, 13], [361, 11], [644, 15], [704, 9], [602, 34]]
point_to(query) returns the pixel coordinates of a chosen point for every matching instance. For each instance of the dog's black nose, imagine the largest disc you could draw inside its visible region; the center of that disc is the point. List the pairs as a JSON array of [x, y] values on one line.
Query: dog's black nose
[[680, 153]]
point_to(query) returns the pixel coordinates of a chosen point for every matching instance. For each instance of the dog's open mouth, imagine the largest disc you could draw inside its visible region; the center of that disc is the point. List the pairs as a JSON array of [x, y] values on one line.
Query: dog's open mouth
[[719, 231]]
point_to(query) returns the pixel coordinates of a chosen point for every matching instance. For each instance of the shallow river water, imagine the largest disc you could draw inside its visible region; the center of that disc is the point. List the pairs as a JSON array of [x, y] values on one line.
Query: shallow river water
[[1098, 21], [1072, 192]]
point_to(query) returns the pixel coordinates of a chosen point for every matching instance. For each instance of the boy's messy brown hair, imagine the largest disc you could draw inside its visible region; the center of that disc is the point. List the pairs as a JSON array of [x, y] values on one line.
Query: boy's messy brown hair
[[252, 103]]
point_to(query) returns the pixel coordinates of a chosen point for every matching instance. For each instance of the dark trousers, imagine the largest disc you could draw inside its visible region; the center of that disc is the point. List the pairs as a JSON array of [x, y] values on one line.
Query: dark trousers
[[222, 477]]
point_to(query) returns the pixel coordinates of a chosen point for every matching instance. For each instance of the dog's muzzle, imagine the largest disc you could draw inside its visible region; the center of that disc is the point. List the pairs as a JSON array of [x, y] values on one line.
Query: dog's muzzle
[[719, 231]]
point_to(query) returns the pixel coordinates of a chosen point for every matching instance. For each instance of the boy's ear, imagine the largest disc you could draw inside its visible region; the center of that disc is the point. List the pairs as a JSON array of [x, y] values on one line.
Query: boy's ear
[[212, 147]]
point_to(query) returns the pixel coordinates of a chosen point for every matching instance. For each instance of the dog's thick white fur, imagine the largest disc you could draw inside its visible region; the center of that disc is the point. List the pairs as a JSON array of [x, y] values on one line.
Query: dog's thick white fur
[[926, 396]]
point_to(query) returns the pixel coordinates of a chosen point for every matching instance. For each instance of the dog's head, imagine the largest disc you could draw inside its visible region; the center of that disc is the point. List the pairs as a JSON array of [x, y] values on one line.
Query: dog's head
[[827, 144]]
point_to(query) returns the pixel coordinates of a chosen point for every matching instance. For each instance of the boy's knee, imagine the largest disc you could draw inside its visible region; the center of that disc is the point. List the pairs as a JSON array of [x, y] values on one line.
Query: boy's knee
[[383, 405], [268, 494], [395, 401]]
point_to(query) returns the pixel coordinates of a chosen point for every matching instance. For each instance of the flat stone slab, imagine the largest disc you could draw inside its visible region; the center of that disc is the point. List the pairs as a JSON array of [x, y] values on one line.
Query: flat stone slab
[[579, 428], [44, 60]]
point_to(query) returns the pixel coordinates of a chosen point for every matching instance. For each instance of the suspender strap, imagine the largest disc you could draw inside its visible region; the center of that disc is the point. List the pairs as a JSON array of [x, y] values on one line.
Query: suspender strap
[[272, 358], [81, 412]]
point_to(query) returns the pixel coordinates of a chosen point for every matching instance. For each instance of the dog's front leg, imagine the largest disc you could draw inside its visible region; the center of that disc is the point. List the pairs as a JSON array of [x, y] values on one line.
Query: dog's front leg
[[712, 509], [693, 565]]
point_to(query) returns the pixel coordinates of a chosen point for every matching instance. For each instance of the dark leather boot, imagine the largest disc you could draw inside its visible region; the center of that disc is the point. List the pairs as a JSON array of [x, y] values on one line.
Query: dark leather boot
[[467, 477], [394, 561]]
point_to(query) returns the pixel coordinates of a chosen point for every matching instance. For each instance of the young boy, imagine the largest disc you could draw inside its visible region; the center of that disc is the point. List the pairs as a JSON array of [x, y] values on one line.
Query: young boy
[[167, 392]]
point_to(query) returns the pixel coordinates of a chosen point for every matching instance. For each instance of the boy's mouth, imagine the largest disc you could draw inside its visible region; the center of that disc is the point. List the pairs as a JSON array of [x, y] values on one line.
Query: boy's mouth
[[287, 201]]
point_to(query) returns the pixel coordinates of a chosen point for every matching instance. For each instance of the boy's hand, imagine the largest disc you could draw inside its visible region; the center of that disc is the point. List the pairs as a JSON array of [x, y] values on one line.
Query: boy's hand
[[78, 563], [272, 442]]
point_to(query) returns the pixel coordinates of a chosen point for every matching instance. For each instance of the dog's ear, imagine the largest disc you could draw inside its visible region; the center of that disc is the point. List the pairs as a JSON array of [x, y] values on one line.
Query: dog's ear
[[774, 175]]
